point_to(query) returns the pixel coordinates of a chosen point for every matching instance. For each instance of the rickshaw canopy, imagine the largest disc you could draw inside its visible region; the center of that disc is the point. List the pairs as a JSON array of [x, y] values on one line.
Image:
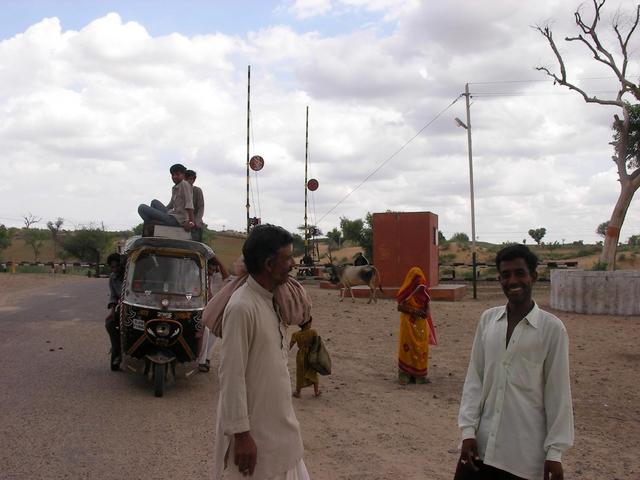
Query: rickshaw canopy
[[134, 244]]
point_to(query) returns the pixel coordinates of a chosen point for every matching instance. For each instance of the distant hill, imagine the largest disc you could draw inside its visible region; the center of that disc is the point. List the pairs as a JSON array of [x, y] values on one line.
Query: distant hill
[[628, 258], [227, 245]]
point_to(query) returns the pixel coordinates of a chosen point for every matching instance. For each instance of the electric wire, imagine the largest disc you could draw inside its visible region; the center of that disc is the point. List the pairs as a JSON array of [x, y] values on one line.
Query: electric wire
[[388, 159], [495, 82]]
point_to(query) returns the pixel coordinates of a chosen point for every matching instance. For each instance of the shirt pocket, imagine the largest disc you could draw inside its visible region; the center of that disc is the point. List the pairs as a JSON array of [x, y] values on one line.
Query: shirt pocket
[[526, 374]]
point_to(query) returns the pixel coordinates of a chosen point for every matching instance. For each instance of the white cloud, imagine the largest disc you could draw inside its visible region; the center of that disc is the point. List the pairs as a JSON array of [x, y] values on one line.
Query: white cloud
[[92, 120], [309, 8]]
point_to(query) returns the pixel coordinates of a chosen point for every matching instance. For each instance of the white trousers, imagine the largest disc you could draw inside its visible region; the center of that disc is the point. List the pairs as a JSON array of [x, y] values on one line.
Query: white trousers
[[297, 472], [208, 342]]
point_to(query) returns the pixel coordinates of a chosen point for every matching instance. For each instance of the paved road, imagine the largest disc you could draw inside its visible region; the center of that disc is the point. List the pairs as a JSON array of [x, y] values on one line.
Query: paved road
[[65, 415]]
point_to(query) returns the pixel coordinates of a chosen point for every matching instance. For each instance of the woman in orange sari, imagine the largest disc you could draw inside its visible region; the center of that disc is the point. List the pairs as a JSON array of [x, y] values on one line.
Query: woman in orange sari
[[416, 328]]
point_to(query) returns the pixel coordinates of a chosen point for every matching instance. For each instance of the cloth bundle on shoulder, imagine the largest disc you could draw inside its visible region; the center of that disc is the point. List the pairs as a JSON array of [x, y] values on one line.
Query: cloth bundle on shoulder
[[294, 305], [319, 359]]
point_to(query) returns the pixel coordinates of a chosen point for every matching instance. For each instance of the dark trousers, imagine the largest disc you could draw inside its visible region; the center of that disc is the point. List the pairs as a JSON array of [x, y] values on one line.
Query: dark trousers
[[485, 472], [157, 212], [112, 325]]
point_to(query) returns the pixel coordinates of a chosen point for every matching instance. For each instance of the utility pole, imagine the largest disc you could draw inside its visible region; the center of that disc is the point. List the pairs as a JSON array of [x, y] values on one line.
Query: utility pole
[[473, 208], [306, 165], [467, 127], [248, 126]]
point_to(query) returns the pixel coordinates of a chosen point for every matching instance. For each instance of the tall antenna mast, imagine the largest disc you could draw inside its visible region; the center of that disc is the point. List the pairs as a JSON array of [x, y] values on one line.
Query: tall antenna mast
[[306, 166], [248, 126]]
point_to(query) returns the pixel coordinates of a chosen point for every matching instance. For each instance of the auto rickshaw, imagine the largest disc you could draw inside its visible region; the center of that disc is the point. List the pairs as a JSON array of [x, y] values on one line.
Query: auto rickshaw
[[164, 294]]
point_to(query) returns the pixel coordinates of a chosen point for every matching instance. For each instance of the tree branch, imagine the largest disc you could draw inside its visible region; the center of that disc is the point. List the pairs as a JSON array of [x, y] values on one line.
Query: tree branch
[[586, 97], [590, 47], [591, 32]]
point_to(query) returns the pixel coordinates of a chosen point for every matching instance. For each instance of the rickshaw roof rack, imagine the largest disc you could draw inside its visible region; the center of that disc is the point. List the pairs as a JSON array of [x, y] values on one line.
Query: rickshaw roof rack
[[137, 242]]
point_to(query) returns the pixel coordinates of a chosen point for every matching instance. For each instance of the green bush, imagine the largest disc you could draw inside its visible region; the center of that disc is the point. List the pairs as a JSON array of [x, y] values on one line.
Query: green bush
[[33, 269], [446, 258], [599, 266], [586, 251]]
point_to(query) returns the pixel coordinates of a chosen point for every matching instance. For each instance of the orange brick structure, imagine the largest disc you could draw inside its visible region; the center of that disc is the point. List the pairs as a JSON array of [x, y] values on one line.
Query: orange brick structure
[[402, 240]]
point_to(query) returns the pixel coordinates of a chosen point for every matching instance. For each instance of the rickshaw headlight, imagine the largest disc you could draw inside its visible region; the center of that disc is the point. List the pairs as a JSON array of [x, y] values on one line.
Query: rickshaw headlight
[[165, 302], [163, 330]]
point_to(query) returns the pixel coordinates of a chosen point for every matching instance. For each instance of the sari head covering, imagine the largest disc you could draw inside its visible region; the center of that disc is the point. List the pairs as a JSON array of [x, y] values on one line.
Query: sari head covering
[[414, 290], [414, 293]]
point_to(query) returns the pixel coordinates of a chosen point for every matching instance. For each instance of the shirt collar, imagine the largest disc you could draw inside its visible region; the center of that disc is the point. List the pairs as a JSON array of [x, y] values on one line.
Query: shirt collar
[[532, 318], [259, 289]]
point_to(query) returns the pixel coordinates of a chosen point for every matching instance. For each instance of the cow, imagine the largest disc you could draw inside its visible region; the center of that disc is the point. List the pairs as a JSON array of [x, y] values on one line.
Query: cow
[[350, 276]]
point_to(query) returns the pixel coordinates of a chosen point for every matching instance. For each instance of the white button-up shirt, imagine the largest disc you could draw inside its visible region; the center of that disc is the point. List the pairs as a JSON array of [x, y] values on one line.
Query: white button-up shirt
[[516, 400], [255, 387]]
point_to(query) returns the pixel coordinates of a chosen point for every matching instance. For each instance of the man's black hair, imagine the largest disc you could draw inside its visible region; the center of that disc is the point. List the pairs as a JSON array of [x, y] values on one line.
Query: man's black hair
[[114, 257], [190, 174], [517, 251], [263, 242], [178, 167]]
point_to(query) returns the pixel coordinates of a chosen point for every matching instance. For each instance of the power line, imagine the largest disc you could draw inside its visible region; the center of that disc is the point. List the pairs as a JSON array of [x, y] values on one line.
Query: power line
[[544, 80], [375, 170], [540, 94]]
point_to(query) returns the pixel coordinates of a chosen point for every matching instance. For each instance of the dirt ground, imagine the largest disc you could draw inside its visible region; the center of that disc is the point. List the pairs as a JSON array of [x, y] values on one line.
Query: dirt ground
[[366, 426]]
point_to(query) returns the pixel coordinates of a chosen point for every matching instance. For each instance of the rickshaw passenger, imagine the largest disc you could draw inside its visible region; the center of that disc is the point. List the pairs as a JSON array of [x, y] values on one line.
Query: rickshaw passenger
[[112, 322], [179, 211], [198, 205]]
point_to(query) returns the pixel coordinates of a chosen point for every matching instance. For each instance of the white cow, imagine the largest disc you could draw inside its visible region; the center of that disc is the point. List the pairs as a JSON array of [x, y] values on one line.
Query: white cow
[[350, 276]]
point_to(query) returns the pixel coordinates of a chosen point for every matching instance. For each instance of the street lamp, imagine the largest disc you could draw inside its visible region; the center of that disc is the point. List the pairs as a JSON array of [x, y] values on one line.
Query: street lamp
[[467, 127]]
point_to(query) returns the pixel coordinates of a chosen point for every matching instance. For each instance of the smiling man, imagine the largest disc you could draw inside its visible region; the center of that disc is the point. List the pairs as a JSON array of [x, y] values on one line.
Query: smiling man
[[516, 413]]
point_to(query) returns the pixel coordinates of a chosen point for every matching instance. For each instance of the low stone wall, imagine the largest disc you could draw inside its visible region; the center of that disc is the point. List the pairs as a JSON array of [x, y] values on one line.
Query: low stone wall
[[593, 292]]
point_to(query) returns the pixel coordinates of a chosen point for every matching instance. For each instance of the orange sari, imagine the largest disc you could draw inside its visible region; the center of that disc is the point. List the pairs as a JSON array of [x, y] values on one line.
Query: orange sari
[[416, 325]]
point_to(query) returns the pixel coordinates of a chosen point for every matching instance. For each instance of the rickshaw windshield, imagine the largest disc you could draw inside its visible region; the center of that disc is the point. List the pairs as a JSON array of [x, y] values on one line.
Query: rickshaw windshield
[[163, 274]]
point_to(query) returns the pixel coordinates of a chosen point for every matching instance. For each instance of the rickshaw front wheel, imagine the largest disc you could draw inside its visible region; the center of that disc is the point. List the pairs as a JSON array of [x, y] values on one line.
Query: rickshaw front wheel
[[159, 373]]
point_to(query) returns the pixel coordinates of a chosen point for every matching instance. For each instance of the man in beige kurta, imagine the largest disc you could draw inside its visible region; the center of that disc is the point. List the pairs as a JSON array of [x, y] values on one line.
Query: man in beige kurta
[[257, 430]]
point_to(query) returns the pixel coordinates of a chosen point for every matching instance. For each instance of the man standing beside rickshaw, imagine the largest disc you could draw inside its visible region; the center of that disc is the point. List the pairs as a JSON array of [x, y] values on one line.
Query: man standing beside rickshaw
[[112, 322]]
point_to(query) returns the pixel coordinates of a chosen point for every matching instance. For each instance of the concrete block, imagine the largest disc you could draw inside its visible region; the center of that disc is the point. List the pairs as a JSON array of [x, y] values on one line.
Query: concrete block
[[177, 233], [595, 292], [447, 293]]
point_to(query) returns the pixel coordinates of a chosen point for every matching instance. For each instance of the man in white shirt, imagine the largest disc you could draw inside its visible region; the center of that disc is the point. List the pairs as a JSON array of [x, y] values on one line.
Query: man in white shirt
[[516, 413], [257, 430]]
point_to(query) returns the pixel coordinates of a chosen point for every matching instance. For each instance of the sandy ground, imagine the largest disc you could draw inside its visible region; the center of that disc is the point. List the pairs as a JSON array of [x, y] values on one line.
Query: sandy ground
[[366, 426]]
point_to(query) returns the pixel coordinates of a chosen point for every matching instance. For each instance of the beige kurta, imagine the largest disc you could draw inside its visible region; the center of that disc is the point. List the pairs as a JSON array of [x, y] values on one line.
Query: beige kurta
[[255, 387]]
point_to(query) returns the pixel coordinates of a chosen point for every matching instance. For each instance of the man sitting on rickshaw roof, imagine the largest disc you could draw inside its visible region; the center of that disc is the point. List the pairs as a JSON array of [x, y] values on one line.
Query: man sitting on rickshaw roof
[[179, 211]]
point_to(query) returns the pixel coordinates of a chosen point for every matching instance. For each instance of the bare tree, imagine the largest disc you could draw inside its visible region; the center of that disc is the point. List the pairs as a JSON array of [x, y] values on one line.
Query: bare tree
[[54, 228], [35, 239], [30, 219], [626, 152]]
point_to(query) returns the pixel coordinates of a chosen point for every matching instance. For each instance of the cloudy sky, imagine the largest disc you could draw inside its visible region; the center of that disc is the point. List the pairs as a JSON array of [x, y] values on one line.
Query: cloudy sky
[[99, 98]]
